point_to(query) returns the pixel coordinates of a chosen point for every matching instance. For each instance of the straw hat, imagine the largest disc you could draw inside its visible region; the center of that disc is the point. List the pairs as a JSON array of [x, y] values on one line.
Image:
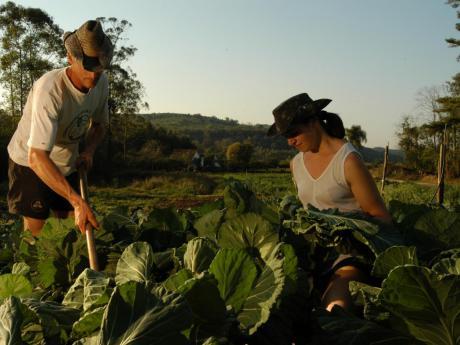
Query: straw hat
[[91, 44]]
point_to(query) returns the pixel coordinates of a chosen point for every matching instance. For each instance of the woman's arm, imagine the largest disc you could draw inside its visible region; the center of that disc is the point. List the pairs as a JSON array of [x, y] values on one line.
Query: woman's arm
[[364, 189]]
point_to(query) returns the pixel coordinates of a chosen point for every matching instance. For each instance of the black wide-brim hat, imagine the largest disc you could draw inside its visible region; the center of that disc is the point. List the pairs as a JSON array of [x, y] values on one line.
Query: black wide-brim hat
[[296, 109]]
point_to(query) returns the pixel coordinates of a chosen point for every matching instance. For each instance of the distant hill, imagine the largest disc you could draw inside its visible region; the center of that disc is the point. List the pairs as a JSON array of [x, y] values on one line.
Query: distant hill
[[208, 131], [376, 154], [196, 122]]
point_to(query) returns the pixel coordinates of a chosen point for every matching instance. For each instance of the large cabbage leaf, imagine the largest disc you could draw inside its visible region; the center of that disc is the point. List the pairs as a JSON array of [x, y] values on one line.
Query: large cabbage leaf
[[135, 264], [249, 231], [440, 228], [14, 285], [239, 199], [61, 253], [427, 302], [54, 317], [366, 296], [33, 328], [162, 229], [342, 328], [137, 316], [290, 267], [10, 322], [21, 268], [121, 224], [20, 325], [91, 289], [251, 295], [406, 215], [88, 323], [216, 341], [208, 308], [209, 224], [90, 340], [265, 293], [175, 281], [447, 266], [392, 257], [292, 307], [163, 219], [431, 229], [199, 254], [333, 228], [236, 274]]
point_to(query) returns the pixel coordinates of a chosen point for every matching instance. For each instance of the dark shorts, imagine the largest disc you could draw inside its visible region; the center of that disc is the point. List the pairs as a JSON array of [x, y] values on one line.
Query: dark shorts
[[348, 260], [29, 196], [341, 261]]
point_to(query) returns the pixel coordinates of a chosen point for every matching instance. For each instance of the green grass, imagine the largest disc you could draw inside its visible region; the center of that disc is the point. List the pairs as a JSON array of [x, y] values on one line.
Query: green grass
[[414, 193], [185, 190]]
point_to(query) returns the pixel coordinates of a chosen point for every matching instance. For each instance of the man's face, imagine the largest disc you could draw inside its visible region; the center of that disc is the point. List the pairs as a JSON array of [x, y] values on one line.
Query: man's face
[[82, 78], [88, 78]]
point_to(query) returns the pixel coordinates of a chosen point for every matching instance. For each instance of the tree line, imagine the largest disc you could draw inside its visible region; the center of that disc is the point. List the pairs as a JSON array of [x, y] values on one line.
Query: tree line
[[438, 122]]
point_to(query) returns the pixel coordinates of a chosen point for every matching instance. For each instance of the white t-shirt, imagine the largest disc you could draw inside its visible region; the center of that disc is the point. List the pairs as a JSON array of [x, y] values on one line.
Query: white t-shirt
[[56, 116], [330, 190]]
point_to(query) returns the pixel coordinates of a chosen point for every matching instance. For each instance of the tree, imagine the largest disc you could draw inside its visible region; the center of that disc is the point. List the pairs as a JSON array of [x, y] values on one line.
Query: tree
[[429, 107], [238, 155], [450, 106], [454, 42], [5, 136], [409, 142], [426, 101], [31, 44], [356, 136]]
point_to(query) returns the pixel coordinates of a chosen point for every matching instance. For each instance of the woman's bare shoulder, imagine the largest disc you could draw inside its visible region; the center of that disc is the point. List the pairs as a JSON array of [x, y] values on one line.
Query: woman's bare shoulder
[[354, 161]]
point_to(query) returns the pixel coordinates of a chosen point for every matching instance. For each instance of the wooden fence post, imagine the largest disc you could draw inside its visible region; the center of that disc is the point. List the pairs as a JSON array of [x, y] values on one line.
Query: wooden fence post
[[384, 174], [442, 168]]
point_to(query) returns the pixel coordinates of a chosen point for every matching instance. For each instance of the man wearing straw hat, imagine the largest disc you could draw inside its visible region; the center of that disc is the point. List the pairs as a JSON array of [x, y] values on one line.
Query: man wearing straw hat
[[63, 106]]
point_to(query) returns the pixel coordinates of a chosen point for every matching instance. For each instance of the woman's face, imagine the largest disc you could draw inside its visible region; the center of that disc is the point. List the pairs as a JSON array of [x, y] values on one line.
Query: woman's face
[[304, 138]]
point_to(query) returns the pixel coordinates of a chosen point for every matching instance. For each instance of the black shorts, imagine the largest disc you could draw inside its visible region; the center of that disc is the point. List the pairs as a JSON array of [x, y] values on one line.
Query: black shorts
[[328, 271], [29, 196]]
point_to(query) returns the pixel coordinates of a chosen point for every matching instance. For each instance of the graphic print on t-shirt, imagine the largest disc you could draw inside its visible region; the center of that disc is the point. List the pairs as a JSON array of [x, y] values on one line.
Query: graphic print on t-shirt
[[77, 128]]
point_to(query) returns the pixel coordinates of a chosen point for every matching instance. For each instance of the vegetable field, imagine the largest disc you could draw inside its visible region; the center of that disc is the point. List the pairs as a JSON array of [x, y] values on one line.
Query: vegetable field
[[242, 269]]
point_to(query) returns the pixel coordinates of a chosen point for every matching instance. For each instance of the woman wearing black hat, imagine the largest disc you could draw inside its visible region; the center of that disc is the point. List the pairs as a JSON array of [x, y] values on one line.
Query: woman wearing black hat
[[328, 173]]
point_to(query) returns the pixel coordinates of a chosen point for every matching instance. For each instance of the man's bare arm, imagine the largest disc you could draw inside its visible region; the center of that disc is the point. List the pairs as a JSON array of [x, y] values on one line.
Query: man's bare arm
[[96, 133], [44, 167]]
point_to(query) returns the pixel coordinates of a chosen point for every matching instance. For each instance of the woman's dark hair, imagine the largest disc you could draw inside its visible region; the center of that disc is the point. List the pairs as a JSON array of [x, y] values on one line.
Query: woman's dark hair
[[332, 124]]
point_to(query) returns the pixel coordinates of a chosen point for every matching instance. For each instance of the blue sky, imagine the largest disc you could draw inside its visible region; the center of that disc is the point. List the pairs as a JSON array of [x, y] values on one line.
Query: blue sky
[[241, 58]]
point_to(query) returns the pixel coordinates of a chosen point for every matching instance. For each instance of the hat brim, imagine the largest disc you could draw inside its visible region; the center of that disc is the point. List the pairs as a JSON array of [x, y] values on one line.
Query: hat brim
[[272, 131], [96, 63], [316, 107], [321, 103]]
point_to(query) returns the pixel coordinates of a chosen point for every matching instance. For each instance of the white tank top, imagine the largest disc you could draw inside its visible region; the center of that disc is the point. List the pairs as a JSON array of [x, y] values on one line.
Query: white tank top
[[330, 190]]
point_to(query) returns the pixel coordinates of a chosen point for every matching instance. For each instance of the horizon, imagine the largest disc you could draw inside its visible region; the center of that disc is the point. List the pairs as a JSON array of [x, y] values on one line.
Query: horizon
[[241, 59], [251, 124]]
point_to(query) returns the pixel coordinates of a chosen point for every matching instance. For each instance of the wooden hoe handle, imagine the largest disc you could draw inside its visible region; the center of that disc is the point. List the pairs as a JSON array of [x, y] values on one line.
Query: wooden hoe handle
[[89, 230]]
